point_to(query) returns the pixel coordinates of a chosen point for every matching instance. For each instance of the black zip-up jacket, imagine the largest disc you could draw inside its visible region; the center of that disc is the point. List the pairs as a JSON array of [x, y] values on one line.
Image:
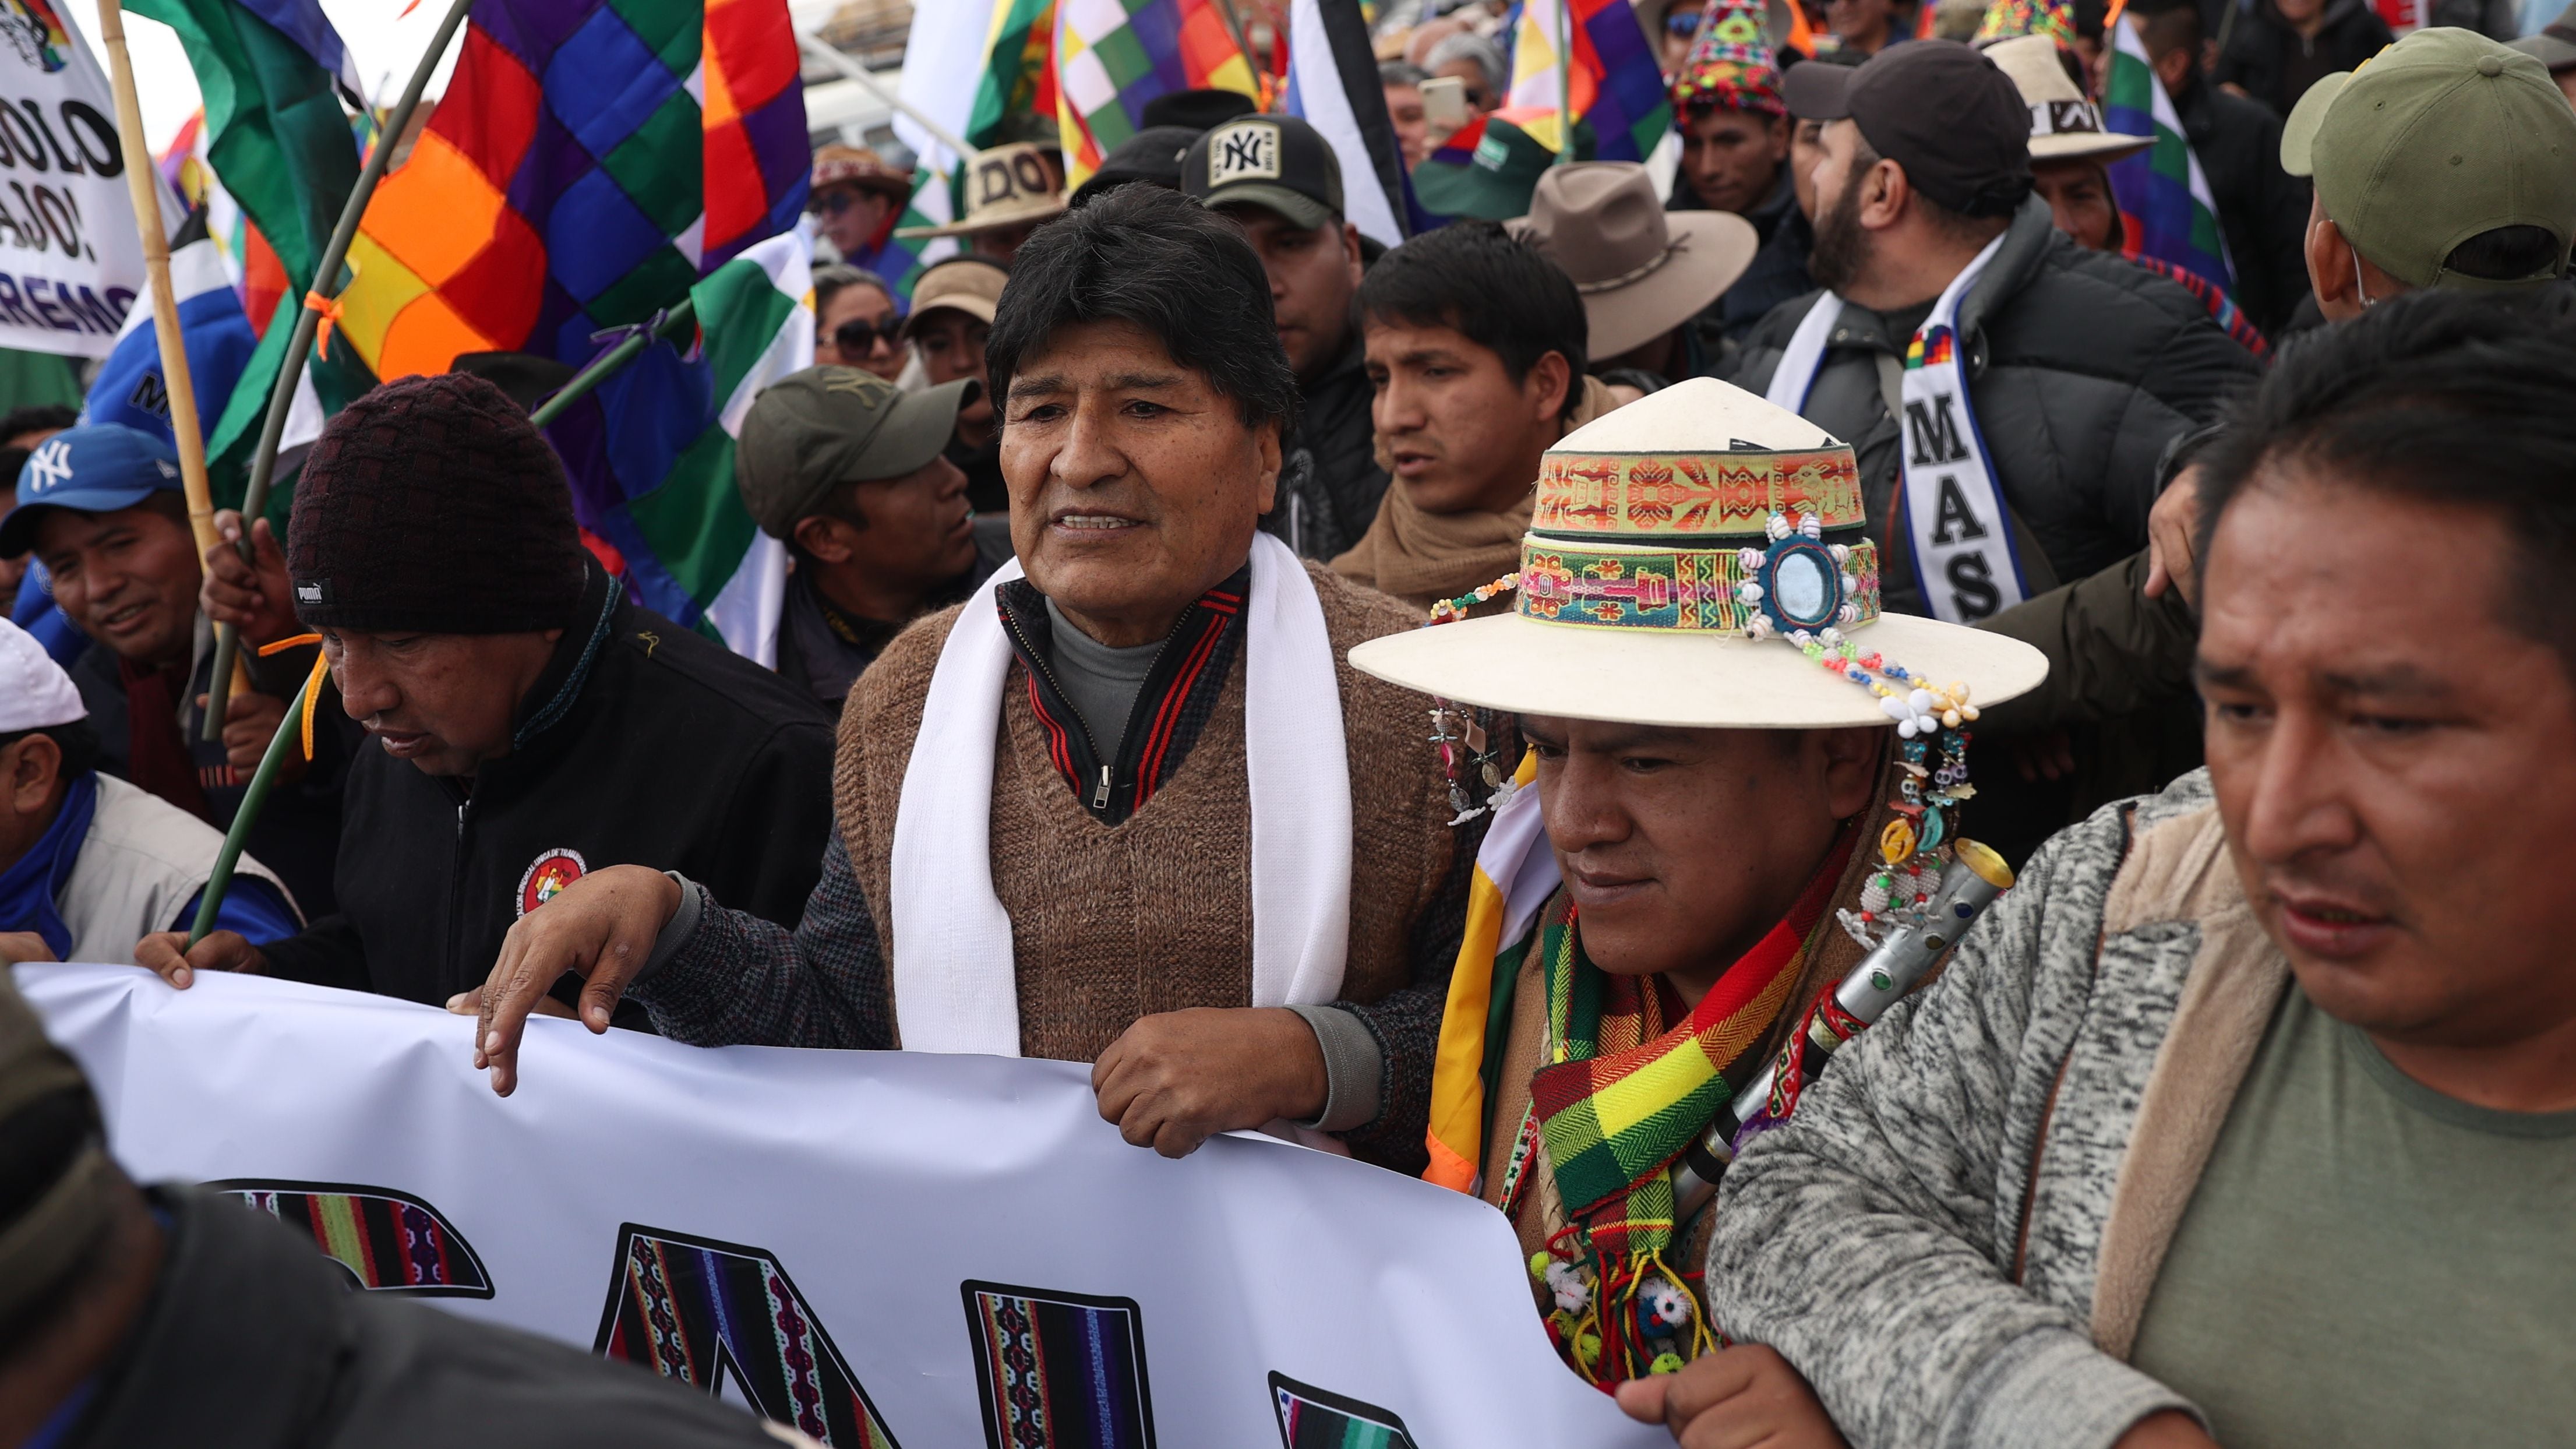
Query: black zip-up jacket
[[252, 1340], [641, 744], [1173, 706], [1326, 502]]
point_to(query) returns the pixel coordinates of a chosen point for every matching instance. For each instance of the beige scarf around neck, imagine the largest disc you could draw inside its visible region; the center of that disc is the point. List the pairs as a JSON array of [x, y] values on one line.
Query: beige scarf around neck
[[1423, 557]]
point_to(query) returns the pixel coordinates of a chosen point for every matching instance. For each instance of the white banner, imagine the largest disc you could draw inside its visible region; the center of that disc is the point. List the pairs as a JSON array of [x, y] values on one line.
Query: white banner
[[922, 1241], [71, 265]]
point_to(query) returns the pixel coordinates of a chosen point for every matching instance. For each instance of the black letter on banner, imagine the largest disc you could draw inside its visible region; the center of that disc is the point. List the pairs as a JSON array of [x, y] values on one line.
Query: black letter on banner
[[36, 113], [98, 314], [9, 305], [22, 137], [714, 1315], [1935, 432], [390, 1242], [1078, 1357], [1954, 514], [79, 116], [1973, 587], [57, 217]]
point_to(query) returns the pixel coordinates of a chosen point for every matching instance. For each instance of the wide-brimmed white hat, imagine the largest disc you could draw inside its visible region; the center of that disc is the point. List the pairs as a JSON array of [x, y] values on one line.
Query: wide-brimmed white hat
[[2065, 125], [1686, 554]]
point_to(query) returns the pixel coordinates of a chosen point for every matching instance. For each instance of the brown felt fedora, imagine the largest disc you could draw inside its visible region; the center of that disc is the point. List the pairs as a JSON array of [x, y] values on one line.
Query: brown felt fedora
[[1642, 270]]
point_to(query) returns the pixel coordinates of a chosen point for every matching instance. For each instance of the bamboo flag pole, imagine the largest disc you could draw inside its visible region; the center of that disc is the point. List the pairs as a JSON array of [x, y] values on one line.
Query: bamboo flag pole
[[176, 382], [299, 346]]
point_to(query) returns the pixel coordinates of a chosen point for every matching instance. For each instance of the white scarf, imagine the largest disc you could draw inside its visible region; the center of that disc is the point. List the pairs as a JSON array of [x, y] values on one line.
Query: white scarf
[[1954, 510], [954, 988]]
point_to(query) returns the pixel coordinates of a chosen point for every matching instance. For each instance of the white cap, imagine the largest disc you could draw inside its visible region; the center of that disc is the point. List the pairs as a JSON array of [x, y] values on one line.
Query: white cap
[[35, 694]]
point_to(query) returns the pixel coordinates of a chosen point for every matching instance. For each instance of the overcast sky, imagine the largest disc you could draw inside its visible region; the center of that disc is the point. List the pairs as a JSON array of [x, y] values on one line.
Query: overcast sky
[[385, 44]]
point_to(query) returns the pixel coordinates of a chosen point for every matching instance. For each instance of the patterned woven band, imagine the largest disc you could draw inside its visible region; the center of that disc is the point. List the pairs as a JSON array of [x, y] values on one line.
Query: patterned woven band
[[1694, 495], [1661, 588]]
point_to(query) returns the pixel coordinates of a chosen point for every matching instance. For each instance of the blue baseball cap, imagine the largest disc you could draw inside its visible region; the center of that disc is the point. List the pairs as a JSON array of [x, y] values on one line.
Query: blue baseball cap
[[95, 469]]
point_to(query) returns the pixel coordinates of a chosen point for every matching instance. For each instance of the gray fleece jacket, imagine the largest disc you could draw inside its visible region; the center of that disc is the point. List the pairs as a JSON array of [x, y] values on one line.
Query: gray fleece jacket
[[1956, 1235]]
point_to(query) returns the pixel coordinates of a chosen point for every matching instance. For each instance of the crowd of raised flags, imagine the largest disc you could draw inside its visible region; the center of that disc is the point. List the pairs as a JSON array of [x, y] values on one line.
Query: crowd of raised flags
[[592, 163]]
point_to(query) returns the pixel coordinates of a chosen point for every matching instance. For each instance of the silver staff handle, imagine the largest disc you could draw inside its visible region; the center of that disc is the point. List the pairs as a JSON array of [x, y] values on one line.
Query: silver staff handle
[[1975, 878]]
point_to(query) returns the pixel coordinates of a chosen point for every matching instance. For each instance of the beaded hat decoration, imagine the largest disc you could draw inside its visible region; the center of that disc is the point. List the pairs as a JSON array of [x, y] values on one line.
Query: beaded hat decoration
[[1699, 559], [1673, 545], [1731, 66], [2008, 18]]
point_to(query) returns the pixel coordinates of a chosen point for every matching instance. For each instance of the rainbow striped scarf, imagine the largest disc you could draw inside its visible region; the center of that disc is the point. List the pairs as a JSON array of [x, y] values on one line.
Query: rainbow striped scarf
[[1624, 1093]]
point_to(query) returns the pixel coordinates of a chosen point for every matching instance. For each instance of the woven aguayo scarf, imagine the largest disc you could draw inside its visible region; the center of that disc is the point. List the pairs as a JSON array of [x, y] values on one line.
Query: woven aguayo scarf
[[1625, 1091]]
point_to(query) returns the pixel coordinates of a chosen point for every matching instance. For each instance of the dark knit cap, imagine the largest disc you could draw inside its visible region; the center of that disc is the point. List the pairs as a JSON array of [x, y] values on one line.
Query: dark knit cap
[[431, 504]]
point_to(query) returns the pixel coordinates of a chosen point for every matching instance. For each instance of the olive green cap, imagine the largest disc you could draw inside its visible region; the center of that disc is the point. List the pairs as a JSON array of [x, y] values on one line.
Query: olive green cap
[[813, 430], [2440, 137]]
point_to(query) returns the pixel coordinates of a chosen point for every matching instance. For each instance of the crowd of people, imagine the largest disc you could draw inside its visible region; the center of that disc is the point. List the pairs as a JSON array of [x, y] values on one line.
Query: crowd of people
[[1773, 557]]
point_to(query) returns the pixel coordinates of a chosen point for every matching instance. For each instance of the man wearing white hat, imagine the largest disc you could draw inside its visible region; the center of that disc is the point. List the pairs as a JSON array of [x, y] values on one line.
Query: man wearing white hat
[[89, 864], [1698, 658]]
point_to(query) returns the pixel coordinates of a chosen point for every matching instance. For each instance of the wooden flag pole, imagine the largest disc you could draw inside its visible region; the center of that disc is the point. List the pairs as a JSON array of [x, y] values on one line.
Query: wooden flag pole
[[299, 345], [176, 382]]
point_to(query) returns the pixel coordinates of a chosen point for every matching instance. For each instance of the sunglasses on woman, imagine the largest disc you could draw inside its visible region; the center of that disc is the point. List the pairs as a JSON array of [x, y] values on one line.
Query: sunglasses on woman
[[858, 337]]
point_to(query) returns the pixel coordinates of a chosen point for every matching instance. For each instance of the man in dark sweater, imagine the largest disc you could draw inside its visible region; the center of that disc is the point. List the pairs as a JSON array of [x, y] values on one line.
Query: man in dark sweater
[[534, 727], [2282, 47]]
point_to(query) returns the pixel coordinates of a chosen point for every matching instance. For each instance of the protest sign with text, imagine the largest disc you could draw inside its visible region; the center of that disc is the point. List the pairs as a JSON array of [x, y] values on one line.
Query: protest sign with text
[[71, 265]]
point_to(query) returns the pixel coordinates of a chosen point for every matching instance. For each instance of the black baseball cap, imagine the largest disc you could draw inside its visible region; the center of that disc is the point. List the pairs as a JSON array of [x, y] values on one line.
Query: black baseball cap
[[1196, 109], [1278, 162], [1153, 154], [1937, 108]]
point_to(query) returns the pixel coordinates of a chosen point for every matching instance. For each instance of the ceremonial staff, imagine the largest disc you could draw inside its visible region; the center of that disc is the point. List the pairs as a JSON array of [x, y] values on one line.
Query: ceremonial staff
[[281, 398], [177, 384], [1975, 878]]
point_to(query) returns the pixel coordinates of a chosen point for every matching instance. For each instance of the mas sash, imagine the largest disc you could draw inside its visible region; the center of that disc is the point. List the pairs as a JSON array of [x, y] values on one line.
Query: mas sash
[[1965, 564]]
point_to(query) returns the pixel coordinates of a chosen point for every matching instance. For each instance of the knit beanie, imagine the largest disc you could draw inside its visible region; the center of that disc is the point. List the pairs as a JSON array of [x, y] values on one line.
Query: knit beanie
[[433, 505]]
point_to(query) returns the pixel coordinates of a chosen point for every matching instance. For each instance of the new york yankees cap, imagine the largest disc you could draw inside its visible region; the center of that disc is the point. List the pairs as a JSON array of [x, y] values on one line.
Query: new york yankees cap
[[1276, 162], [96, 469]]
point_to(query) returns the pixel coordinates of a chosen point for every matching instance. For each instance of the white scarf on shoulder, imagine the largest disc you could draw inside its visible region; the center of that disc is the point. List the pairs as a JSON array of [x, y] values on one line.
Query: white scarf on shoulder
[[954, 983], [1954, 509]]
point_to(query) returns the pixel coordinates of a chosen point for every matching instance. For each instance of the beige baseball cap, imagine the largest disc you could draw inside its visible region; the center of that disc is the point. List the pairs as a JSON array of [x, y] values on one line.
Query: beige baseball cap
[[2440, 137], [972, 285]]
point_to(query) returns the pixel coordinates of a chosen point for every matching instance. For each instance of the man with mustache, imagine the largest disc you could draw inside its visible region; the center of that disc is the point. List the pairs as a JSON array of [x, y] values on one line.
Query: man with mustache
[[531, 726], [2248, 1116], [1125, 805]]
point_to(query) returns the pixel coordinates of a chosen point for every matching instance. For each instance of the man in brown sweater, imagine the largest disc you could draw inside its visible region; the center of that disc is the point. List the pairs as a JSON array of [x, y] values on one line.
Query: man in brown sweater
[[1128, 807]]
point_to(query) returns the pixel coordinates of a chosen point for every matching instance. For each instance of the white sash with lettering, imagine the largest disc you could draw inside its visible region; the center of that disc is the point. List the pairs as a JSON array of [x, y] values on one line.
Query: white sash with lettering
[[955, 987], [1960, 532]]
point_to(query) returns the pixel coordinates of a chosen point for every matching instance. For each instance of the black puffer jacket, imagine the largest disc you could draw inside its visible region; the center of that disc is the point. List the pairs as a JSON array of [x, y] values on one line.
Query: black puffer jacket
[[2081, 367], [2275, 64]]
